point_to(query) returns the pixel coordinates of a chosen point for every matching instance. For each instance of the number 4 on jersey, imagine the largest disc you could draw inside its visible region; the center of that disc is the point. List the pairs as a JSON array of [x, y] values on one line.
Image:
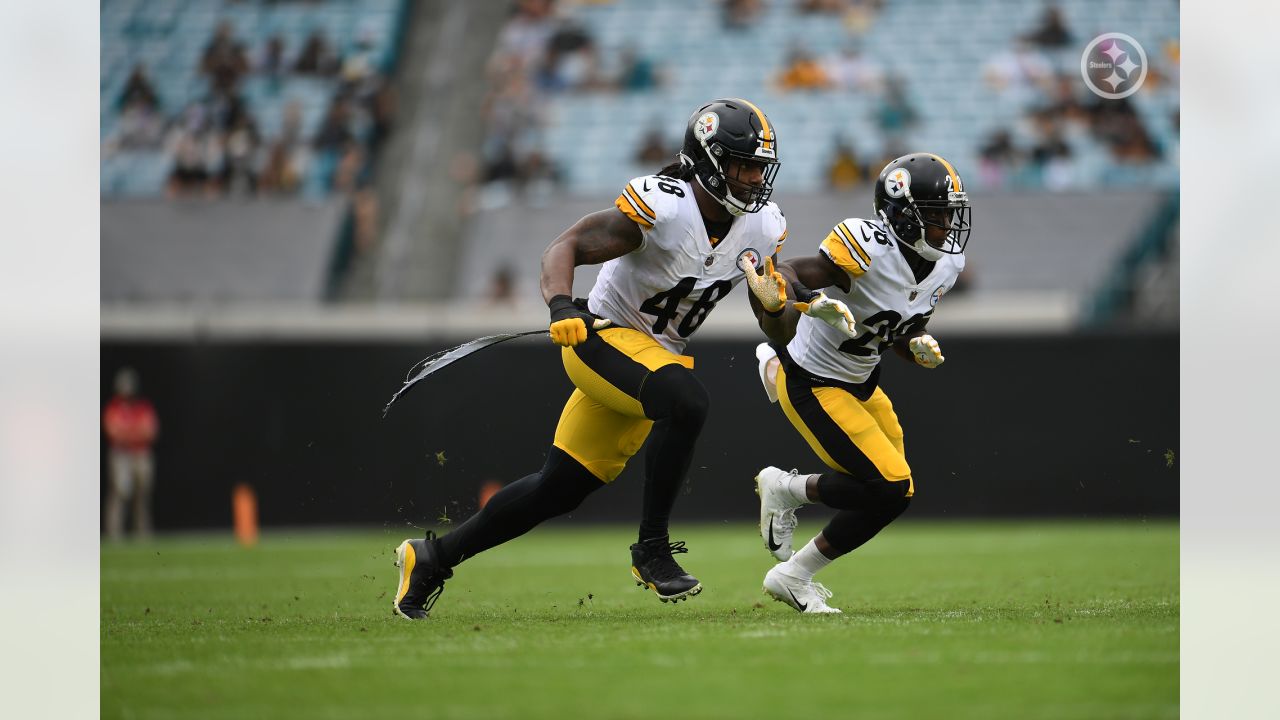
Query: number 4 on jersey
[[666, 305]]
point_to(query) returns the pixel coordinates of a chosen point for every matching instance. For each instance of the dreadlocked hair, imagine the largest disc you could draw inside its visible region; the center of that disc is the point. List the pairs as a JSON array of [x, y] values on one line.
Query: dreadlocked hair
[[678, 170]]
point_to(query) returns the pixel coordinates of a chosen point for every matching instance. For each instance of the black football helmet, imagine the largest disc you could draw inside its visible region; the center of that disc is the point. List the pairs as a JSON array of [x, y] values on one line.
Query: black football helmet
[[731, 129], [920, 190]]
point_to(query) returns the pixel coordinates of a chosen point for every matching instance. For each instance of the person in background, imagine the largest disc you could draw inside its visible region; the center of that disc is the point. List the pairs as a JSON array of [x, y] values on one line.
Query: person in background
[[131, 427]]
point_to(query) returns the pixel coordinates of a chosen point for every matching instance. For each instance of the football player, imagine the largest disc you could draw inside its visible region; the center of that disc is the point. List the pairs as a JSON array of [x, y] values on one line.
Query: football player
[[671, 248], [890, 271]]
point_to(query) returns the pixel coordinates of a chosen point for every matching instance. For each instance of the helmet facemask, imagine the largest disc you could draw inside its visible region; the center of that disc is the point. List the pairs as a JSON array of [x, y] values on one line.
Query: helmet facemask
[[911, 221], [736, 195]]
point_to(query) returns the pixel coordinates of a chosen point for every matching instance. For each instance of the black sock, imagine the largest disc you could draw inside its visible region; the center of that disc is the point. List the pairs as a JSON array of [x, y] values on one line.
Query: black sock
[[558, 488], [678, 403], [850, 529]]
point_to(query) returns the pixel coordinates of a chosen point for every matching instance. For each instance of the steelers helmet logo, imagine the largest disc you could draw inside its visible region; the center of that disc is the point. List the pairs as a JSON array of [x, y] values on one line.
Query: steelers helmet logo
[[706, 126], [898, 183]]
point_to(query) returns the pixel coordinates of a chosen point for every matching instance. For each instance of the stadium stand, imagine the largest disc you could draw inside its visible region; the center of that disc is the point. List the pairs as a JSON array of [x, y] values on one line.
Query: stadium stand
[[242, 96], [909, 73], [260, 98]]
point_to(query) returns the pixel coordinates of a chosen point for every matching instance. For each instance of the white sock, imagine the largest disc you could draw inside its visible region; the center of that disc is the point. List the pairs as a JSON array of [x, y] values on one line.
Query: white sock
[[796, 486], [806, 562]]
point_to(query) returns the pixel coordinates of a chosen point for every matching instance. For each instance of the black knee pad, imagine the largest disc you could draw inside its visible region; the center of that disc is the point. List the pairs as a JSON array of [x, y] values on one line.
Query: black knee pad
[[673, 392]]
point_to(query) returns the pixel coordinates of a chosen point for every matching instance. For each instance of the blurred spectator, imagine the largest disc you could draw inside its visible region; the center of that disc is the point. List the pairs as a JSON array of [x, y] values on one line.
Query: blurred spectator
[[224, 60], [740, 14], [335, 131], [280, 173], [850, 70], [1051, 156], [240, 158], [361, 64], [861, 15], [1019, 68], [636, 72], [1117, 124], [570, 61], [999, 159], [803, 72], [317, 57], [894, 112], [502, 286], [845, 171], [654, 149], [538, 178], [190, 174], [1052, 32], [131, 427], [271, 62], [138, 91], [286, 157], [820, 7], [525, 35], [140, 127]]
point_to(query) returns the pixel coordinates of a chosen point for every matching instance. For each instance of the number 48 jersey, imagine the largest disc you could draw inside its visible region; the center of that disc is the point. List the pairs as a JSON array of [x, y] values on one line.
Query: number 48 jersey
[[884, 297], [670, 284]]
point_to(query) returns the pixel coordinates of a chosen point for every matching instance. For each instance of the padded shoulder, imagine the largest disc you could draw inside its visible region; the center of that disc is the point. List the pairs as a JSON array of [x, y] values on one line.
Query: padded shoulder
[[649, 200], [854, 244]]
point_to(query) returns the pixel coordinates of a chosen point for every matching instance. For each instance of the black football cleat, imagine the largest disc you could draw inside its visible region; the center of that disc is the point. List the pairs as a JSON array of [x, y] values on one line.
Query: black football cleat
[[653, 567], [421, 577]]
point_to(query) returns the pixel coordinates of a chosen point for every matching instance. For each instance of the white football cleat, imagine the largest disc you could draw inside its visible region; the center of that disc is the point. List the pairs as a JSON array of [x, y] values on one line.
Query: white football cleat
[[777, 511], [806, 596], [768, 370]]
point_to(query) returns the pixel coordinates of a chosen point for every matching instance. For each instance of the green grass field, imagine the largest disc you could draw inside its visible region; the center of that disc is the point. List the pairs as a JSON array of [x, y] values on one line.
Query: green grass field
[[942, 620]]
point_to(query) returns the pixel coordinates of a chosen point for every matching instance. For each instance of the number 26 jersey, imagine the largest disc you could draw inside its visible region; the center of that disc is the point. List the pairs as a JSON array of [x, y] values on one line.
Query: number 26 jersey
[[884, 298], [670, 284]]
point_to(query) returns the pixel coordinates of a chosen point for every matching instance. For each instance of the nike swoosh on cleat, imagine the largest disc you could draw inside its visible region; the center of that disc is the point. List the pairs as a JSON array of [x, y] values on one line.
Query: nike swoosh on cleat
[[800, 605], [770, 542]]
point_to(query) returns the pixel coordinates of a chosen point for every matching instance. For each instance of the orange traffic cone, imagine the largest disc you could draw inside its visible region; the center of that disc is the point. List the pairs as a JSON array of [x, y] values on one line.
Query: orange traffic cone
[[244, 510]]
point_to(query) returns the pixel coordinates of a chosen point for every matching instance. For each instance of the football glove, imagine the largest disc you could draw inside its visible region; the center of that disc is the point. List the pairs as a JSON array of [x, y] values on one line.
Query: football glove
[[926, 351], [569, 322], [832, 312], [770, 289]]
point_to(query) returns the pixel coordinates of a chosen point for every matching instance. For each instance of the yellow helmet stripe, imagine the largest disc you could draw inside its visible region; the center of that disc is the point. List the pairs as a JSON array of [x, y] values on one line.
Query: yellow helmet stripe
[[766, 135], [955, 179]]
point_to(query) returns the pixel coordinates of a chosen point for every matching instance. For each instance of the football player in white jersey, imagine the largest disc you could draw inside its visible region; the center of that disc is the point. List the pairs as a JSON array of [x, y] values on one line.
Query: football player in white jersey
[[671, 248], [890, 271]]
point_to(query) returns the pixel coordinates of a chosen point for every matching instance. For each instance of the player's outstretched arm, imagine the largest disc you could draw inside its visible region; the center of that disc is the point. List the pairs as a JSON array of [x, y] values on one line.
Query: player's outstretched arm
[[596, 238]]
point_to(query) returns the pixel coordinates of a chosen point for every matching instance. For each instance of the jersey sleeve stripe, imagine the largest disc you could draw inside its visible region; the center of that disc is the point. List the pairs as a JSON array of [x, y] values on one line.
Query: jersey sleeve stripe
[[640, 205], [624, 204], [837, 249], [853, 243]]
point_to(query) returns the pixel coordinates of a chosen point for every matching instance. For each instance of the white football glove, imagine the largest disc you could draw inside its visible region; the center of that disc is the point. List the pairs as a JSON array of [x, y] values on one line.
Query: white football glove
[[832, 312], [926, 351], [770, 289]]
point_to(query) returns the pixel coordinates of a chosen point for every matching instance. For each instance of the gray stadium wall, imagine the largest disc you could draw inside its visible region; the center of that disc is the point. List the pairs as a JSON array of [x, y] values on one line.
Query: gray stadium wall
[[1052, 425]]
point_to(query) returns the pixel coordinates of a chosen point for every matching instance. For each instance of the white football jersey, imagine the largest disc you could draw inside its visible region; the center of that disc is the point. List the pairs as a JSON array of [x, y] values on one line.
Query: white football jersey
[[884, 297], [668, 285]]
